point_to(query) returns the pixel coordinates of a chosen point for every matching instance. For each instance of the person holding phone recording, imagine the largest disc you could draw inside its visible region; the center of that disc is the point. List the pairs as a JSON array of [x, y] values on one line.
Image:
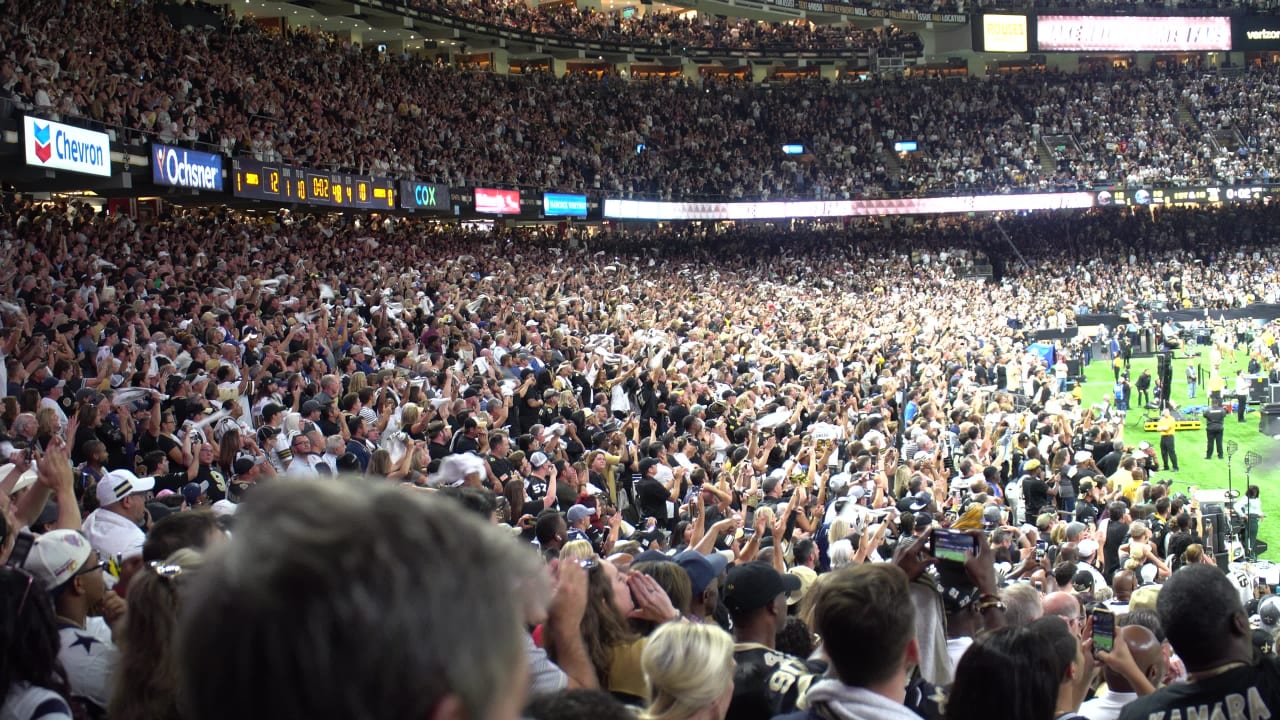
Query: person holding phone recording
[[1144, 656]]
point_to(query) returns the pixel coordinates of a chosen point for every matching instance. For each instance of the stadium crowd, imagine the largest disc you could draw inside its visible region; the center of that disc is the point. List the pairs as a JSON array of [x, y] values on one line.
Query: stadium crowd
[[319, 102], [713, 473], [672, 29]]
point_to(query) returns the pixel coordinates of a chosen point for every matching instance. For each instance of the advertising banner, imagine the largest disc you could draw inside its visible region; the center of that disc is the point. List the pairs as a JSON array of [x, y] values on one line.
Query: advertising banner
[[1252, 33], [57, 146], [561, 205], [423, 196], [498, 202], [1112, 33], [1004, 33], [180, 167], [656, 210]]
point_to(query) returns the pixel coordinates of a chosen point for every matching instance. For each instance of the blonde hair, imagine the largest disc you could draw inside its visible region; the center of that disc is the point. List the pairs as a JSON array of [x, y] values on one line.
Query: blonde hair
[[577, 550], [357, 383], [687, 667], [1193, 554], [766, 512], [409, 416], [838, 531], [1058, 534]]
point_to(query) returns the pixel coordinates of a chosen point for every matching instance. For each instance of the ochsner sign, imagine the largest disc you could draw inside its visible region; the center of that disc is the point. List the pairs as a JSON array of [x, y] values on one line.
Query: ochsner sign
[[180, 167], [64, 147]]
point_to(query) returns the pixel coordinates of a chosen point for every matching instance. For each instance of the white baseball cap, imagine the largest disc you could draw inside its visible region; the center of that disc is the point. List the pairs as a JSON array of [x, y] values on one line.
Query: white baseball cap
[[57, 556], [120, 484]]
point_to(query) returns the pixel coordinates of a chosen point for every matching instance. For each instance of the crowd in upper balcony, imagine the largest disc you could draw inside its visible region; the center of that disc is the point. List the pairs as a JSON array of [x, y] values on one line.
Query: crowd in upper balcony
[[316, 101], [672, 30]]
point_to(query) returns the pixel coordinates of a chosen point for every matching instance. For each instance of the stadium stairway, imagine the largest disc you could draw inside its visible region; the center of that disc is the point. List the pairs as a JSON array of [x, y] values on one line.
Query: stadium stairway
[[1227, 139], [891, 165], [1048, 161], [1186, 118]]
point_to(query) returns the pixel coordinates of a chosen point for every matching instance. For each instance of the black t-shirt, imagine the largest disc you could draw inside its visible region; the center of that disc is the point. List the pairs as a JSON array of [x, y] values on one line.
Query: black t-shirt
[[1109, 463], [1087, 512], [652, 498], [767, 682], [173, 481], [1117, 534], [168, 443], [437, 451], [1213, 418], [117, 448], [463, 444], [328, 427], [501, 469], [1251, 691], [1035, 494]]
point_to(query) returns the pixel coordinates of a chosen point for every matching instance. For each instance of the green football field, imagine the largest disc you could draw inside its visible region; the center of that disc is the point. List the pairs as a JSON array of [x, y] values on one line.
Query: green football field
[[1193, 468]]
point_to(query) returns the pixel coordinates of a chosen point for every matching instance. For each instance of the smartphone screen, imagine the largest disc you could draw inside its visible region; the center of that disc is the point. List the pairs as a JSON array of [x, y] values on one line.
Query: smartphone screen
[[1104, 630], [953, 546]]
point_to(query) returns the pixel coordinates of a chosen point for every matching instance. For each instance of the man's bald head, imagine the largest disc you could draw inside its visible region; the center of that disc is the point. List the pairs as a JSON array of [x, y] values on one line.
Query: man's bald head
[[1146, 652], [1070, 552], [1066, 606], [1123, 584]]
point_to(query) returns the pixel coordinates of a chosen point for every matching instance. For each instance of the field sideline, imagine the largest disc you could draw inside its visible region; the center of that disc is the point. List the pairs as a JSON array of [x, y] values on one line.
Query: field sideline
[[1193, 468]]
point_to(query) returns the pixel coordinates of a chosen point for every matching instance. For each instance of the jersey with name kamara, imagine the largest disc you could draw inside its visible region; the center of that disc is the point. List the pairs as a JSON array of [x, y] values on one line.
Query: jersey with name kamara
[[1246, 693]]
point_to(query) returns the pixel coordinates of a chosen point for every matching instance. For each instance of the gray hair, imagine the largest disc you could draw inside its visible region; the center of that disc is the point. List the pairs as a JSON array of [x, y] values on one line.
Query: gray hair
[[353, 600], [335, 444], [27, 421], [1023, 604], [841, 553]]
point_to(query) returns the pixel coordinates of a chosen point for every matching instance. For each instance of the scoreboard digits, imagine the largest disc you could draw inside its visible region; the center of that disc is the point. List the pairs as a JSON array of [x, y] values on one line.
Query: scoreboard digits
[[288, 184]]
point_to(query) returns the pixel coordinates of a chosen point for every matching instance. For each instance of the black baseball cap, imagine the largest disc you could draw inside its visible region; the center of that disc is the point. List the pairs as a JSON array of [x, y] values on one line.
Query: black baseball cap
[[754, 585]]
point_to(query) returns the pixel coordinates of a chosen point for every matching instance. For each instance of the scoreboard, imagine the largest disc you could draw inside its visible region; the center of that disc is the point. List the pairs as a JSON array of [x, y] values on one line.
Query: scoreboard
[[276, 182]]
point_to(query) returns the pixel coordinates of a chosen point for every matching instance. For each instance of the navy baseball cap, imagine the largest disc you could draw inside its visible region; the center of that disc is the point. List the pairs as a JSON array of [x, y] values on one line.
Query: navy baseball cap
[[702, 569]]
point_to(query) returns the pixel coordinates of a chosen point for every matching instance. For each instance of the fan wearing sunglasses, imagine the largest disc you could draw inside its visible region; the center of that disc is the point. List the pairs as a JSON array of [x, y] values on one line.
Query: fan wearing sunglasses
[[66, 567]]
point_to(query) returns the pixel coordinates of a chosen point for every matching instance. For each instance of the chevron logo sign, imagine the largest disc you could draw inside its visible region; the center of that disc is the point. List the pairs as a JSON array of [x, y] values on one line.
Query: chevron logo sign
[[43, 148], [58, 146]]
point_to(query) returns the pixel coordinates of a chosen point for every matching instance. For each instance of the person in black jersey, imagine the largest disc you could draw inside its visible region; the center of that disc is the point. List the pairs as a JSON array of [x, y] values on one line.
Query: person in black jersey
[[1205, 622], [766, 682]]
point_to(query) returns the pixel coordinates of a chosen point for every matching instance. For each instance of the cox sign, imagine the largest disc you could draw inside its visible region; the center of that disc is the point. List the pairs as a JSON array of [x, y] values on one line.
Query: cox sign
[[179, 167], [423, 196], [65, 147]]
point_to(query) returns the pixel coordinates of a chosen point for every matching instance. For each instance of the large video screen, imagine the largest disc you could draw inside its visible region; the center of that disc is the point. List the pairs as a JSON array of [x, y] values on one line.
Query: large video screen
[[1090, 33], [656, 210], [1004, 33], [497, 202]]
